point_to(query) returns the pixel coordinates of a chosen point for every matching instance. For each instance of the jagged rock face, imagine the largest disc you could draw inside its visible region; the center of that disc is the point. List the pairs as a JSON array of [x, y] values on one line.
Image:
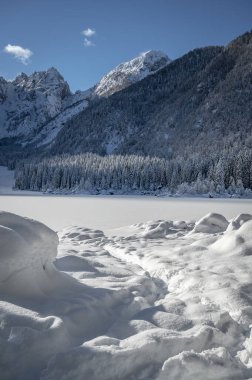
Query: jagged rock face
[[131, 72], [29, 103], [3, 90], [35, 108]]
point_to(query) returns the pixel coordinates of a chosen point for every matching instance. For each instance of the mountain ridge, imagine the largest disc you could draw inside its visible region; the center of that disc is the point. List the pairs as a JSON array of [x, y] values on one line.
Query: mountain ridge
[[203, 96], [33, 108], [132, 71]]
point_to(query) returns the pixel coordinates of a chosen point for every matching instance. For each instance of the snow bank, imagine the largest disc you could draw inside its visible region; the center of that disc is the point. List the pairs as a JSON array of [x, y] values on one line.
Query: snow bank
[[216, 363], [238, 238], [169, 300], [44, 311], [211, 223], [28, 249]]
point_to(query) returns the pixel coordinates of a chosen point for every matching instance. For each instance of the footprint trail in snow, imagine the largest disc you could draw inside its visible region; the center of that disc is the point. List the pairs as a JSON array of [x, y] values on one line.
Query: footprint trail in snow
[[159, 300]]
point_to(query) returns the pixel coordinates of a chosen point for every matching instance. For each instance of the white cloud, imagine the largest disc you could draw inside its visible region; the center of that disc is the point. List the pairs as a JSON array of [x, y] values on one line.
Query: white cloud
[[88, 32], [88, 43], [20, 53]]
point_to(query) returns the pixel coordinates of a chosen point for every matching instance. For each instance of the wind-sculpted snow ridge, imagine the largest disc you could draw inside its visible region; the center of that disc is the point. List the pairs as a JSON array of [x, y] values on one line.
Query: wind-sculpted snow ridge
[[159, 300]]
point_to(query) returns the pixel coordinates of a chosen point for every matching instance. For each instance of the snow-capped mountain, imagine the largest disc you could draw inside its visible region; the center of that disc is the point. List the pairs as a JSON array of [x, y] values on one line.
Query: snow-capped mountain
[[199, 103], [34, 108], [131, 72], [30, 105]]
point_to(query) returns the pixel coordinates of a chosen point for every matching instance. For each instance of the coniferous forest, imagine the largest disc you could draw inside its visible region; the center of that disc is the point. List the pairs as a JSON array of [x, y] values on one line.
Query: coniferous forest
[[229, 173]]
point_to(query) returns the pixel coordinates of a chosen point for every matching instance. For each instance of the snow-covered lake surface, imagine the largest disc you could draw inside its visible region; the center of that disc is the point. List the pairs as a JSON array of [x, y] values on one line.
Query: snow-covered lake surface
[[129, 288], [106, 212], [109, 212]]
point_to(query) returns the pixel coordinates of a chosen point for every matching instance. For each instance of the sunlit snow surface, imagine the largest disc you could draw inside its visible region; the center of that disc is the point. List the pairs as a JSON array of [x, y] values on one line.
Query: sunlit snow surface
[[164, 300], [157, 300]]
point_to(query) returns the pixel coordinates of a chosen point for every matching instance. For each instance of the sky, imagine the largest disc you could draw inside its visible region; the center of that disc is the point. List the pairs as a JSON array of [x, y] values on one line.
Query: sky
[[84, 39]]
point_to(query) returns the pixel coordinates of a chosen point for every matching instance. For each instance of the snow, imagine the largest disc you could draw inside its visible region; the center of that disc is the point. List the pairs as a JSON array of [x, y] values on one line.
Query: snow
[[34, 108], [7, 182], [23, 97], [78, 102], [216, 363], [132, 71], [115, 212], [100, 297], [211, 223], [163, 299], [28, 249], [93, 211]]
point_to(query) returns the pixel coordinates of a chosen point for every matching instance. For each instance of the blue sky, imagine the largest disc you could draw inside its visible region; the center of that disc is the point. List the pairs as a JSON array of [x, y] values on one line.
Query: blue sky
[[38, 34]]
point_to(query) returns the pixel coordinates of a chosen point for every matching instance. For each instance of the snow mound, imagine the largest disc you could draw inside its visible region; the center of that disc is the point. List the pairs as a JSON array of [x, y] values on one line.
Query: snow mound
[[132, 357], [28, 249], [237, 240], [164, 319], [216, 363], [104, 305], [161, 228], [238, 221], [211, 223]]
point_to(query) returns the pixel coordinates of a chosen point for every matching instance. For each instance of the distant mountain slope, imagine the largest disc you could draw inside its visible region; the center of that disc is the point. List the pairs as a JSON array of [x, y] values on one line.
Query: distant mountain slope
[[142, 118], [34, 108], [196, 104], [131, 72]]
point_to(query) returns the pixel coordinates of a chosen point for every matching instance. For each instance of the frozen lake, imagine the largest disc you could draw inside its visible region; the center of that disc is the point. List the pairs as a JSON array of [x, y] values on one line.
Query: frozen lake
[[107, 212]]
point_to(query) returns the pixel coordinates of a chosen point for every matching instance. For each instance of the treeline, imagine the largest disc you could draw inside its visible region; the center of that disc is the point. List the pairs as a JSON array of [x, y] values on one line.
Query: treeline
[[230, 173]]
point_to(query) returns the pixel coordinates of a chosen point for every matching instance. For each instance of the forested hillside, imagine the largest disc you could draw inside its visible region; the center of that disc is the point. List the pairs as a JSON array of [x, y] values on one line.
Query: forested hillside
[[199, 103], [186, 128]]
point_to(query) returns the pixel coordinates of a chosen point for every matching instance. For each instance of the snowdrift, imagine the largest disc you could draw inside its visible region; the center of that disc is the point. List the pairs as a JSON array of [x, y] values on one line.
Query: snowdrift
[[28, 249], [167, 300]]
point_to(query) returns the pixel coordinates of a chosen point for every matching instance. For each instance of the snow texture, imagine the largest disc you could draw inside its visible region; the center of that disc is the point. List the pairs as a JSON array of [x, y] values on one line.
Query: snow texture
[[131, 72], [166, 300]]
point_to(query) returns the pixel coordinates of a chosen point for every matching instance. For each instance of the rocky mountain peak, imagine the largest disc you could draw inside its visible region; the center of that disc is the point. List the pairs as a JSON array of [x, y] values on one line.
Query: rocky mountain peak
[[43, 81], [132, 71]]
